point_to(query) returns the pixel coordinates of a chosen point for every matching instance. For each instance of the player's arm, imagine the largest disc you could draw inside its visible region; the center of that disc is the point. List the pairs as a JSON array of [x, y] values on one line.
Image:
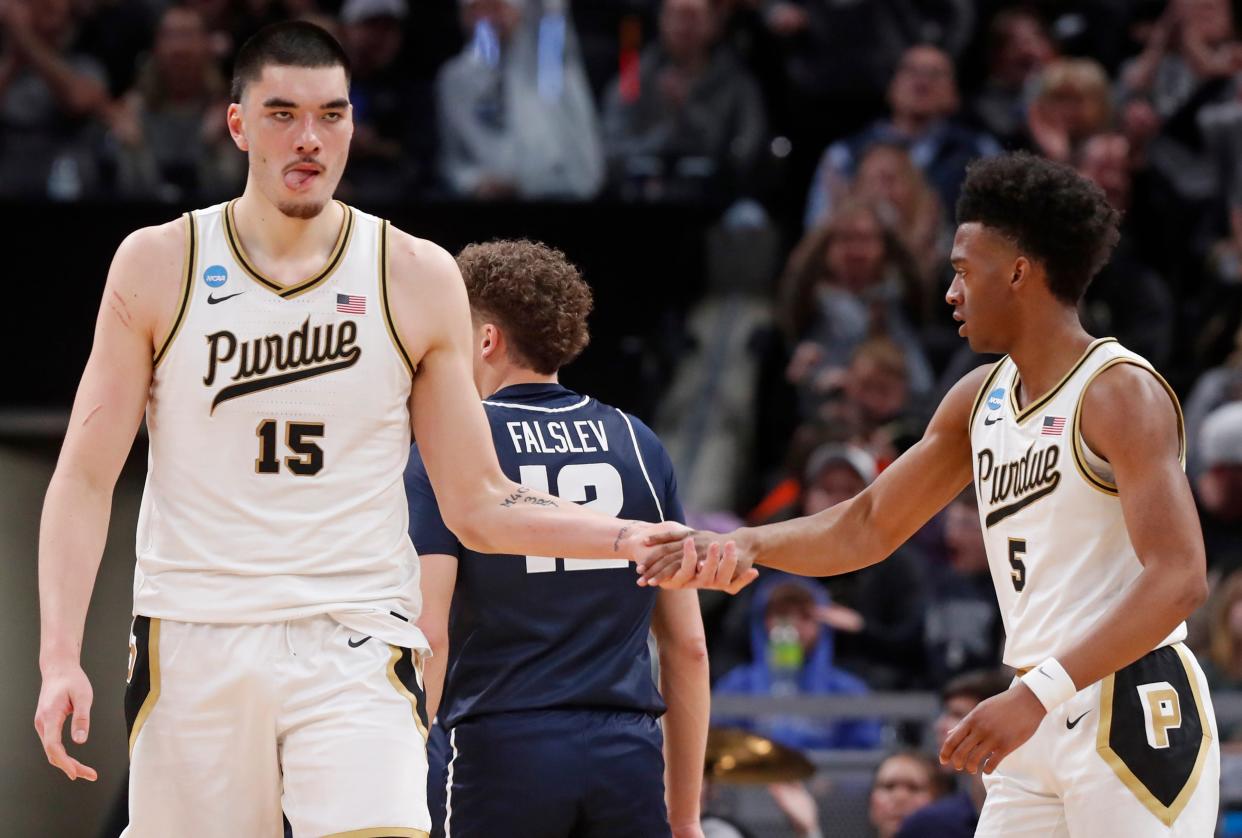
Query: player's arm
[[437, 550], [437, 579], [678, 627], [487, 511], [107, 411], [858, 532], [1129, 419]]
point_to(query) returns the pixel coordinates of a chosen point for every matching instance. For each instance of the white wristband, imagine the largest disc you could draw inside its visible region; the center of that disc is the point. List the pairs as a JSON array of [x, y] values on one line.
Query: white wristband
[[1051, 684]]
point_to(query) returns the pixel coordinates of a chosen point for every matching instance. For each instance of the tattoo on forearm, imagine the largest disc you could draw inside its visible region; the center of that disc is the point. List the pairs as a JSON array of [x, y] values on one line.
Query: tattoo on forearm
[[621, 533], [523, 495]]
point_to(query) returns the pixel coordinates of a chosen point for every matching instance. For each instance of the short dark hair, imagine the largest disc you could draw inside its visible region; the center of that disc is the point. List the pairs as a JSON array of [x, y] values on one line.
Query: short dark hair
[[1050, 212], [979, 685], [535, 294], [290, 43]]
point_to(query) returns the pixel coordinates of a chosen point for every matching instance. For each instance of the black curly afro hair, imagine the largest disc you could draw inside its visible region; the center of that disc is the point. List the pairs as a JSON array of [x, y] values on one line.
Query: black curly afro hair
[[1051, 213]]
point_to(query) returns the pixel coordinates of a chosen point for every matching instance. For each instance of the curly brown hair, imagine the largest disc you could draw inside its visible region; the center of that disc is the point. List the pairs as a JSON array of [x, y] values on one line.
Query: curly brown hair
[[535, 294]]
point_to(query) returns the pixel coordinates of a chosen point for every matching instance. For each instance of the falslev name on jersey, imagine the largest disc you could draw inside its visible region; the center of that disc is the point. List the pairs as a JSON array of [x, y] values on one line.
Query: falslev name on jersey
[[1030, 478], [582, 436], [302, 353]]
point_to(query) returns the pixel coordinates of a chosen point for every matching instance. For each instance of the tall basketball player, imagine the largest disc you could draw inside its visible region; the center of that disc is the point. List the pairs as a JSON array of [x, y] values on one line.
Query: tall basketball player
[[282, 346], [1076, 447], [546, 658]]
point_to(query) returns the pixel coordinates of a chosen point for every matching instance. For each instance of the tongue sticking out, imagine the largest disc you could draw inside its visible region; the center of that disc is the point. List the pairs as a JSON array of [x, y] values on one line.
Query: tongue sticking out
[[297, 178]]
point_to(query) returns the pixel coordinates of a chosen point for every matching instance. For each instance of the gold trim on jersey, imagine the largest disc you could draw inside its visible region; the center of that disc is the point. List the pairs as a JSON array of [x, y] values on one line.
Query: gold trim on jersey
[[1021, 415], [188, 264], [983, 390], [1094, 480], [393, 660], [153, 694], [315, 280], [382, 832], [389, 321], [1166, 814]]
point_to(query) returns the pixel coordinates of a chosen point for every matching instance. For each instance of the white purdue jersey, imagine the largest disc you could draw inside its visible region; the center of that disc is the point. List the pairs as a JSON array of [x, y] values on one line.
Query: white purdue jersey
[[279, 429], [1056, 540]]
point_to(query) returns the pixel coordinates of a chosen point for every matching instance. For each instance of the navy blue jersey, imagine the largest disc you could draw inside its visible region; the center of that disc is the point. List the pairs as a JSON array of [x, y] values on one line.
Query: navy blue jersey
[[539, 632]]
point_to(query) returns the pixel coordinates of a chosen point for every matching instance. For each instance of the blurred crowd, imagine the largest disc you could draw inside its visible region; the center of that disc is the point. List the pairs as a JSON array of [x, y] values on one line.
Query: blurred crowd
[[844, 130]]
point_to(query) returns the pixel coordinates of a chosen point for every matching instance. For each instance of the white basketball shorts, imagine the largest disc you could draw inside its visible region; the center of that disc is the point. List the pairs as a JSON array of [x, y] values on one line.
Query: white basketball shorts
[[1135, 755], [232, 726]]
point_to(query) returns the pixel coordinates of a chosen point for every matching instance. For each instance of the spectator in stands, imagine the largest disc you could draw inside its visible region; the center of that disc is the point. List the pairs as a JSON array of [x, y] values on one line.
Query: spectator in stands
[[956, 815], [173, 141], [963, 629], [113, 32], [876, 612], [904, 783], [1219, 487], [847, 280], [691, 124], [1072, 102], [1190, 54], [1215, 387], [873, 407], [1223, 662], [516, 118], [1018, 48], [1127, 299], [50, 99], [1186, 66], [888, 178], [393, 147], [837, 57], [792, 654], [923, 98]]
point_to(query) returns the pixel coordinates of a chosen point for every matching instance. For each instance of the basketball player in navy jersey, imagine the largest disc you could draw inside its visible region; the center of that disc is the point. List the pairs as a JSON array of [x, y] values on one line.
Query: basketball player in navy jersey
[[1076, 448], [281, 347], [549, 706]]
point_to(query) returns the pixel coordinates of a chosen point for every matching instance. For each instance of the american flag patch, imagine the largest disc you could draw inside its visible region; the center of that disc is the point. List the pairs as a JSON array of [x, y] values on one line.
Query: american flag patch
[[1053, 426], [351, 303]]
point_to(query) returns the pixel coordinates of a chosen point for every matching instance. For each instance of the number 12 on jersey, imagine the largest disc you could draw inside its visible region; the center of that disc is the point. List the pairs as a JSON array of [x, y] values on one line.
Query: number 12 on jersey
[[572, 482]]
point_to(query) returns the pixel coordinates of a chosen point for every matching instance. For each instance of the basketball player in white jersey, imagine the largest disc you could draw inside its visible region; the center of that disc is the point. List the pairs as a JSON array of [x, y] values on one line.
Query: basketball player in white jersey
[[282, 347], [1076, 449]]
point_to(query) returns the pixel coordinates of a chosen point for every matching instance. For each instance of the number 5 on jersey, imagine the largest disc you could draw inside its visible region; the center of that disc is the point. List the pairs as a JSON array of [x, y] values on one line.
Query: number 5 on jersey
[[1017, 549], [572, 483]]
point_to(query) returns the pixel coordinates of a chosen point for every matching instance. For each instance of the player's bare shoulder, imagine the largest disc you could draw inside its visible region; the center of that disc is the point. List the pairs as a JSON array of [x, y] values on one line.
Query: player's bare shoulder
[[958, 408], [147, 278], [426, 291], [1129, 407]]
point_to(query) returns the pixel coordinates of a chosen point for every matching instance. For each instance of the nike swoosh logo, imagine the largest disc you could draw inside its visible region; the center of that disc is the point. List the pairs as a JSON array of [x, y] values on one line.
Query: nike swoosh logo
[[998, 515], [212, 300], [1071, 725], [354, 645], [991, 420], [1045, 674]]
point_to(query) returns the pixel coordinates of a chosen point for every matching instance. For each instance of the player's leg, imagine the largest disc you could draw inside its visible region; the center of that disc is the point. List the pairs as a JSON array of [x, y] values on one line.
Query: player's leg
[[438, 755], [514, 774], [202, 748], [1022, 801], [625, 776], [352, 733], [1148, 763]]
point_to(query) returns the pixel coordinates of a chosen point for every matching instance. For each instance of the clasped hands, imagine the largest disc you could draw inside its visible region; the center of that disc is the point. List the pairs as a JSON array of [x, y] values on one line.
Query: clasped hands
[[677, 557]]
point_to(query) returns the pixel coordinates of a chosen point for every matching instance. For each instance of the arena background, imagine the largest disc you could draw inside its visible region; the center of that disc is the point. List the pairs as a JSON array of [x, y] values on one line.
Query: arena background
[[675, 150]]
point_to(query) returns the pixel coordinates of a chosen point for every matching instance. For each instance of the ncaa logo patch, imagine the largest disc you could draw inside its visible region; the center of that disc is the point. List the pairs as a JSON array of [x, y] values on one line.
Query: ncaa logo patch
[[215, 276], [994, 398]]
